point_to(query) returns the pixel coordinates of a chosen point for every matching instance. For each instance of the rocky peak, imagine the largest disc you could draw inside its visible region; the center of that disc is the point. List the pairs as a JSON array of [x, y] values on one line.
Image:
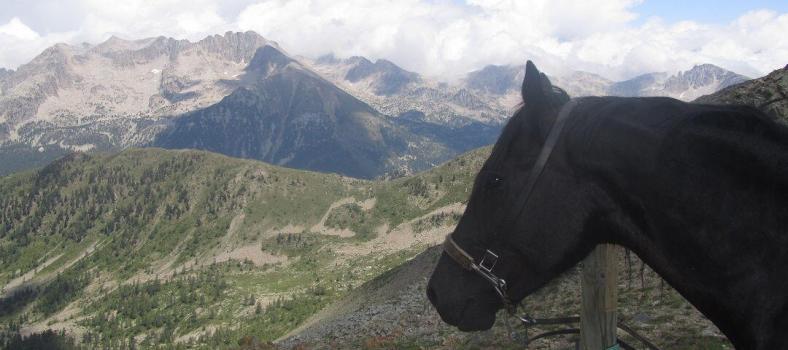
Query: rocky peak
[[390, 78], [55, 55], [114, 43], [358, 61], [162, 46], [232, 46], [703, 75], [637, 85], [328, 59], [235, 46], [267, 60], [579, 83], [494, 79], [54, 64], [389, 67], [128, 53]]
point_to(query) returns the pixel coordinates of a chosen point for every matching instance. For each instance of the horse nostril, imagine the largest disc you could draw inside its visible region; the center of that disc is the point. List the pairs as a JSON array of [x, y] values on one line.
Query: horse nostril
[[432, 296]]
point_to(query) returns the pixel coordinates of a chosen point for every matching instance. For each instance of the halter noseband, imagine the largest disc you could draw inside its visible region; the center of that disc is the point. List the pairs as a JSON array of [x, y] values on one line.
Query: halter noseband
[[485, 266]]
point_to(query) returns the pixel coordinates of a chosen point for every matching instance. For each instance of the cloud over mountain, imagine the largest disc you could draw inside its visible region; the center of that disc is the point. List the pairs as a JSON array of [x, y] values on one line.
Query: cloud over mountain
[[435, 38]]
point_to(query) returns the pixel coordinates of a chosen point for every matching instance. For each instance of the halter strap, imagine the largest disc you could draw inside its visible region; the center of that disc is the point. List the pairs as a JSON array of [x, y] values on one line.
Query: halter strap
[[458, 254], [541, 161]]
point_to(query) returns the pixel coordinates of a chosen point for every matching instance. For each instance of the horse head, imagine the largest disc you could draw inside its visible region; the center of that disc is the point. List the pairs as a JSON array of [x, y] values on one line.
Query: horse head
[[536, 239]]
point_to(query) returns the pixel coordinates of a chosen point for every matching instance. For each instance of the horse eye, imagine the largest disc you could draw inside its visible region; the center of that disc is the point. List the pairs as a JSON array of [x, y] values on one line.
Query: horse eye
[[494, 181]]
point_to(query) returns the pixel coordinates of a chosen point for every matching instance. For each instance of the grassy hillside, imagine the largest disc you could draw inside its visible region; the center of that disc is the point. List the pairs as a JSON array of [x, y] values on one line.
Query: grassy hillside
[[16, 157], [193, 249]]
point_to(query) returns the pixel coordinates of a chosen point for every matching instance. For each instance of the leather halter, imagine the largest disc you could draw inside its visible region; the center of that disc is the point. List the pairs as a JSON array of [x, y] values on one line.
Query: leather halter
[[485, 266]]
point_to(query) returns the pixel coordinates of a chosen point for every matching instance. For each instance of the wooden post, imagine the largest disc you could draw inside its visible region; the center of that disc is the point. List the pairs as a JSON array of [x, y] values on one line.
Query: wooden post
[[599, 289]]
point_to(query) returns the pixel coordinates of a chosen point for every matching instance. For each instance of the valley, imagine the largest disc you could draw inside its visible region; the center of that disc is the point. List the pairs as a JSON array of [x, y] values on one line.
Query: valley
[[174, 246]]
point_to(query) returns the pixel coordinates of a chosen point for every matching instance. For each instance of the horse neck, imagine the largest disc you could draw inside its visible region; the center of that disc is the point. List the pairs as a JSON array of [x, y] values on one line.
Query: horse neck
[[729, 283], [703, 202]]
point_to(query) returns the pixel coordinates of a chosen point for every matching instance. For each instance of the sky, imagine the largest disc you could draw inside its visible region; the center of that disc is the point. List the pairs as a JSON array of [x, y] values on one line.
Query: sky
[[445, 39]]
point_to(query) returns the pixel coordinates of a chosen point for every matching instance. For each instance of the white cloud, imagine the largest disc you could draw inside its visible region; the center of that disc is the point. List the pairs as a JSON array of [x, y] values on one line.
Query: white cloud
[[19, 43], [18, 30], [436, 38], [445, 38], [133, 19]]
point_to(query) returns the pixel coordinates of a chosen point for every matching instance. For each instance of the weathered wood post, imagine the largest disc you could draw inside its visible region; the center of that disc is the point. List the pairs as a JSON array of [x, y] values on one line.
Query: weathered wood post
[[599, 293]]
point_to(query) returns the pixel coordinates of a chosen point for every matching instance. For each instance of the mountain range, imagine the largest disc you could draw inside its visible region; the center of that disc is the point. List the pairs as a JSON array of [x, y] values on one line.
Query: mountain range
[[288, 115], [687, 85], [112, 95], [243, 95]]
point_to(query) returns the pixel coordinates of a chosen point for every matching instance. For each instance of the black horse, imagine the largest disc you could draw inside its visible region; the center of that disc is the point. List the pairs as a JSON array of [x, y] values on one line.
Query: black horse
[[699, 192]]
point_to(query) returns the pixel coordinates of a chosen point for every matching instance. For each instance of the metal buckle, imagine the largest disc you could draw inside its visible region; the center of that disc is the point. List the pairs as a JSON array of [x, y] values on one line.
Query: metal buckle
[[490, 259]]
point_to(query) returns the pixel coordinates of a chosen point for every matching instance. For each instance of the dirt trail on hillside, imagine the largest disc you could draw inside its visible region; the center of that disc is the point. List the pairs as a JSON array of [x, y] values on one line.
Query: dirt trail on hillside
[[232, 231], [16, 282], [403, 236], [321, 227], [287, 229], [29, 276], [251, 253], [65, 320], [368, 204], [164, 268]]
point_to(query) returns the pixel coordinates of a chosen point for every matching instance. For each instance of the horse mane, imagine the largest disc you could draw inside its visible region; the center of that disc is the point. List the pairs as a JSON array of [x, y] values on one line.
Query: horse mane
[[643, 134]]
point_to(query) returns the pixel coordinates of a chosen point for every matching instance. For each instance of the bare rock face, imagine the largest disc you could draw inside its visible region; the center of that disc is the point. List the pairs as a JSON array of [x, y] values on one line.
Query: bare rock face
[[118, 82], [287, 114], [687, 86], [644, 84], [395, 91], [390, 78], [451, 115], [580, 83], [495, 79], [769, 94]]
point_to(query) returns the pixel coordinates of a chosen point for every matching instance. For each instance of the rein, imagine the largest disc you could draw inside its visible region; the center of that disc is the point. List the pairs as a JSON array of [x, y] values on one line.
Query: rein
[[486, 264]]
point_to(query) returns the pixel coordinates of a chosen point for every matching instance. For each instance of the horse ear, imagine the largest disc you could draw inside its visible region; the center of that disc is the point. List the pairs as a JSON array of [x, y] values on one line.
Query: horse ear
[[547, 86], [532, 91]]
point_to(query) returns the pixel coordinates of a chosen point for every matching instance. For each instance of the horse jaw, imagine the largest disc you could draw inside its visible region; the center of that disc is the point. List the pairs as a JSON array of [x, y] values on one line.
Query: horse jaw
[[445, 290]]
